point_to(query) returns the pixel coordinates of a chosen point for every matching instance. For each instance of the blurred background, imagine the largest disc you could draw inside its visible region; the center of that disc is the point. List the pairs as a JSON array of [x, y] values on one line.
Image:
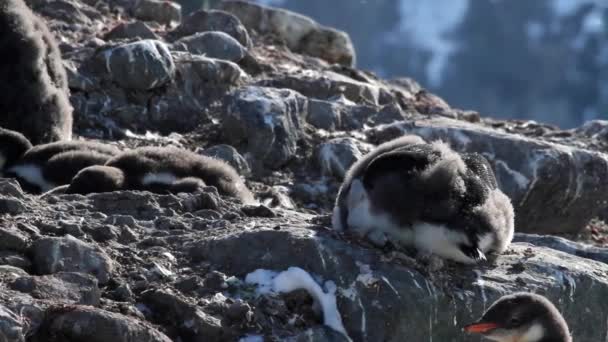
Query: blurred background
[[544, 60]]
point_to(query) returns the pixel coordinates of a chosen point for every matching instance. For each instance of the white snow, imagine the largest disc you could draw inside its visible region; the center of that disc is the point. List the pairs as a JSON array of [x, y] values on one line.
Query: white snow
[[295, 278]]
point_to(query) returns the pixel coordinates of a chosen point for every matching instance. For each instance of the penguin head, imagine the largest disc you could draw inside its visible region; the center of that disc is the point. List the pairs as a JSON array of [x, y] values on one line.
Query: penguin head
[[524, 317], [95, 179], [13, 146]]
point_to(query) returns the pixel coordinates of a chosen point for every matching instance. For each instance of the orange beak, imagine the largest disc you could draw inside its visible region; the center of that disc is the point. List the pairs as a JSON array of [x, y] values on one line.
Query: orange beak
[[480, 328]]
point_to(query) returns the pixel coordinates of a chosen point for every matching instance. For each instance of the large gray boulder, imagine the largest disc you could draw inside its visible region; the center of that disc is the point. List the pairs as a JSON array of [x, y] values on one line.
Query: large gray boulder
[[326, 85], [69, 254], [214, 44], [83, 323], [140, 65], [214, 20], [301, 33], [164, 12], [554, 188], [383, 297], [266, 123]]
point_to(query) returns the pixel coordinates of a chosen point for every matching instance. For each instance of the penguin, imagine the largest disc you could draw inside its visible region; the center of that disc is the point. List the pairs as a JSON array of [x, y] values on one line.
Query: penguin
[[427, 196], [523, 317], [44, 167], [13, 145], [34, 94], [160, 170]]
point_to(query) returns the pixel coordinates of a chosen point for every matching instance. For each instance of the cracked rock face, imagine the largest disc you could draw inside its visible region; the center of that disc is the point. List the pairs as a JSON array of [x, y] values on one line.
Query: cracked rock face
[[273, 94]]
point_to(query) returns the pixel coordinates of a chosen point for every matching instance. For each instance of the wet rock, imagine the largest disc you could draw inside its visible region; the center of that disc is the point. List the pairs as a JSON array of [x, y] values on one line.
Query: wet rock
[[140, 65], [376, 291], [129, 30], [265, 122], [337, 155], [327, 85], [214, 44], [554, 188], [302, 34], [68, 254], [83, 323], [73, 288], [214, 20], [12, 239], [230, 155], [164, 12], [193, 323]]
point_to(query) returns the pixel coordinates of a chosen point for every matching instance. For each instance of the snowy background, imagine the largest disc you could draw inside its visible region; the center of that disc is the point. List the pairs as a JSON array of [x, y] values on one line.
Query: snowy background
[[543, 60]]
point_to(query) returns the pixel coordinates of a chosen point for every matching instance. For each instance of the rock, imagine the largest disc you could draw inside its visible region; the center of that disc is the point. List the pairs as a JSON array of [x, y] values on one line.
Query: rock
[[140, 65], [68, 254], [302, 34], [74, 288], [564, 245], [597, 129], [337, 155], [230, 155], [258, 211], [265, 122], [129, 30], [194, 324], [195, 72], [376, 293], [12, 325], [214, 20], [11, 206], [15, 259], [214, 44], [82, 323], [554, 188], [326, 85], [164, 12], [69, 11], [12, 239], [10, 187], [318, 334], [78, 80]]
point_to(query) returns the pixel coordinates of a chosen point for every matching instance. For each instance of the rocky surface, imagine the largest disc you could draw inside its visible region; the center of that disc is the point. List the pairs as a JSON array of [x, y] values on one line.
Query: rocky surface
[[135, 266]]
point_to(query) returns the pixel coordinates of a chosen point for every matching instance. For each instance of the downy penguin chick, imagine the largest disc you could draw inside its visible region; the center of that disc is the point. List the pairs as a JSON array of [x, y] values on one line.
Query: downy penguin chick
[[47, 166], [13, 146], [162, 169], [34, 94], [522, 317], [426, 196]]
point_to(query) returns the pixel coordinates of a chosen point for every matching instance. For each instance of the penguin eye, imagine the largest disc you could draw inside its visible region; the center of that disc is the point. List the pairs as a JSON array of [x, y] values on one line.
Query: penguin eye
[[514, 321]]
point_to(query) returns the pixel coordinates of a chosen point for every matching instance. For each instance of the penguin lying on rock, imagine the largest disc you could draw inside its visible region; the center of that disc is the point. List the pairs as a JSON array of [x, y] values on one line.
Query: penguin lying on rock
[[161, 169], [523, 317], [13, 145], [427, 196], [44, 167]]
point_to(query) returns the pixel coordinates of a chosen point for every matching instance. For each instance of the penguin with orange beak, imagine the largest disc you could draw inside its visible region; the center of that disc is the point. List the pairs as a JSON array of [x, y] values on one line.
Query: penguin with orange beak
[[522, 317]]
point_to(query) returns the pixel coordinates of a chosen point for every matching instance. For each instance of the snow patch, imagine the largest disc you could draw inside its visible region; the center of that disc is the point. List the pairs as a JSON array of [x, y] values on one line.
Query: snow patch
[[295, 278]]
